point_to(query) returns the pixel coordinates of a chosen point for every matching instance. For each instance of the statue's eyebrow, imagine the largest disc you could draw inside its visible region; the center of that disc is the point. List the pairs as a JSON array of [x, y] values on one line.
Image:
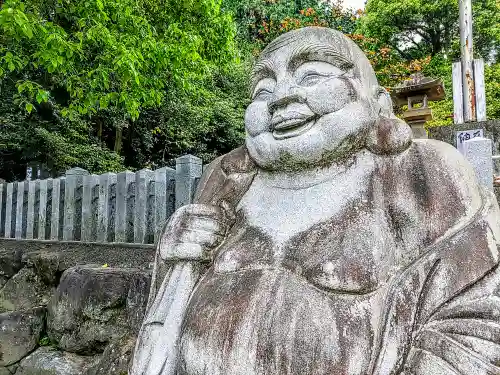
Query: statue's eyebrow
[[263, 69], [319, 52]]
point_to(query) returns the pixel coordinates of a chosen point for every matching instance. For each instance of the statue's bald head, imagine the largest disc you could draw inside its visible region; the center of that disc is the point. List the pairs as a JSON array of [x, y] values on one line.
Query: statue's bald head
[[316, 39]]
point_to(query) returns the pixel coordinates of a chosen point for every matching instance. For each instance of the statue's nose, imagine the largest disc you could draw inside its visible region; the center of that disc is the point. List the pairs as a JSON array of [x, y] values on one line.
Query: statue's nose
[[284, 95], [276, 103]]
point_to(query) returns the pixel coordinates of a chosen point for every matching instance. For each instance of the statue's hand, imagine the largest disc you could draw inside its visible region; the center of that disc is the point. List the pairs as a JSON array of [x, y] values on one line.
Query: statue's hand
[[193, 232]]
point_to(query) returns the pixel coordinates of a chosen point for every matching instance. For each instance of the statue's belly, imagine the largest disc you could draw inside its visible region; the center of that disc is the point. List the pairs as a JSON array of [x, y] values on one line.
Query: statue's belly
[[272, 321]]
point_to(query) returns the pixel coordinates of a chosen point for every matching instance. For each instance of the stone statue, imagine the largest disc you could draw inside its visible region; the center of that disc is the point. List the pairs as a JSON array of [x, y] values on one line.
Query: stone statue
[[331, 243]]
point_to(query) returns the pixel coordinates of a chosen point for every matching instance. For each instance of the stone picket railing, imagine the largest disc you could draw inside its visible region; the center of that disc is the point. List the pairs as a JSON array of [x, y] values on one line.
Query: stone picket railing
[[123, 207]]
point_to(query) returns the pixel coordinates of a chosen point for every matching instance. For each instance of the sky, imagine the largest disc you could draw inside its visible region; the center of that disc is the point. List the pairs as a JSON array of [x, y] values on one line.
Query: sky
[[356, 4]]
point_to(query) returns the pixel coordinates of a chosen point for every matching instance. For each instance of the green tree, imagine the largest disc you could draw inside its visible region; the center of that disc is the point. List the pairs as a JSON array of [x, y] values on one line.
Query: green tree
[[206, 125], [260, 21], [47, 138], [426, 35], [97, 64], [417, 28]]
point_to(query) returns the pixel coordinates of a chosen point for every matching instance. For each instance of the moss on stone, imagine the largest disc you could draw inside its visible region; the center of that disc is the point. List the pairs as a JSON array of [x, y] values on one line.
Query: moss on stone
[[340, 155]]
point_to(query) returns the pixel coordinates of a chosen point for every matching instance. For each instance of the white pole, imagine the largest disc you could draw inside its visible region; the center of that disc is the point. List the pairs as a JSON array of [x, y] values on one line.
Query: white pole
[[466, 49]]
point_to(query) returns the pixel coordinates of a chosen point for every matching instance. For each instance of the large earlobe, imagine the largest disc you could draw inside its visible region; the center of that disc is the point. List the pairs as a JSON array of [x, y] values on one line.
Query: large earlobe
[[389, 135]]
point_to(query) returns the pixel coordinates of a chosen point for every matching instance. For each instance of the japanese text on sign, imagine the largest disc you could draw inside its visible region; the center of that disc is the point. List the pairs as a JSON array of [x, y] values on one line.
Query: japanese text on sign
[[466, 135]]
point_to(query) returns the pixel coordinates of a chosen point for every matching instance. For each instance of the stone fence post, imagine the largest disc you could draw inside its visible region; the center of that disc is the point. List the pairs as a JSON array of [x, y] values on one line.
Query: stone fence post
[[3, 195], [9, 212], [57, 200], [143, 210], [73, 204], [18, 232], [104, 228], [478, 151], [90, 197], [188, 170], [124, 206], [163, 189]]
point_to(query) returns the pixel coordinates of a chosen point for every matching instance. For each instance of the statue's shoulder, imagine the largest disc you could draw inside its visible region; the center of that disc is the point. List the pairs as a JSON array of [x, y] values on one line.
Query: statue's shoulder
[[443, 160], [439, 173], [216, 174]]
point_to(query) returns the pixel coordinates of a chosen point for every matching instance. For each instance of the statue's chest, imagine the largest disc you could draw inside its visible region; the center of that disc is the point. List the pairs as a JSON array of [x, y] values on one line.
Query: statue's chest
[[284, 213], [333, 234]]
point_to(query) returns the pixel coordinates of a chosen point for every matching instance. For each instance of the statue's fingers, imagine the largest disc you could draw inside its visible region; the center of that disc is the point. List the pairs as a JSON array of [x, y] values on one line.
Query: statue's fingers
[[205, 210], [201, 237], [206, 224]]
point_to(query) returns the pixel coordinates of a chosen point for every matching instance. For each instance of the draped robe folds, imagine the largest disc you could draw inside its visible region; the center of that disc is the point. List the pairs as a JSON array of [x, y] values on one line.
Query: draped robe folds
[[441, 311]]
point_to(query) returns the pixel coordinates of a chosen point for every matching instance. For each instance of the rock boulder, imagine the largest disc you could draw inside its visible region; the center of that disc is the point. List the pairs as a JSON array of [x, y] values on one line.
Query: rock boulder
[[25, 290], [19, 334], [10, 262], [95, 306], [48, 361], [115, 358]]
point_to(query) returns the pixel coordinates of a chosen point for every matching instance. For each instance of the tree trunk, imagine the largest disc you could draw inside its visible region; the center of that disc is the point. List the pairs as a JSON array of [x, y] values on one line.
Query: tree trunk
[[118, 140], [99, 129]]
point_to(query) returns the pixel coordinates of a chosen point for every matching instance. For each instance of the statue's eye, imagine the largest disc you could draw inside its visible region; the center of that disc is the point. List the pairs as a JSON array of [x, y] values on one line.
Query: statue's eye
[[264, 89], [311, 79], [262, 94]]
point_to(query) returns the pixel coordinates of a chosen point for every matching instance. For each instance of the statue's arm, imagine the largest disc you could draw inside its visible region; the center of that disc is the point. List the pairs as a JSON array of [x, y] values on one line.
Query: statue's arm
[[196, 229], [442, 314], [435, 192], [183, 251], [461, 331]]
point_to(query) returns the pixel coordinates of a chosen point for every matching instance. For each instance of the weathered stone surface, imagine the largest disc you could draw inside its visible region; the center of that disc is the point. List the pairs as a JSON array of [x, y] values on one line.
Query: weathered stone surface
[[478, 152], [93, 306], [10, 262], [47, 265], [23, 291], [336, 244], [9, 370], [13, 368], [48, 361], [115, 358], [447, 133], [19, 334], [72, 254]]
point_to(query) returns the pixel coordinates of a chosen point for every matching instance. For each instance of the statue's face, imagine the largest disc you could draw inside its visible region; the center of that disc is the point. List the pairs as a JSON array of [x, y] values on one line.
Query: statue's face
[[308, 107]]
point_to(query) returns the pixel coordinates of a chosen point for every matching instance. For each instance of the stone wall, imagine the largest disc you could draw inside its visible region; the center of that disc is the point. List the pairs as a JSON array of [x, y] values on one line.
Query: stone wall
[[70, 308], [447, 134], [491, 130], [123, 207]]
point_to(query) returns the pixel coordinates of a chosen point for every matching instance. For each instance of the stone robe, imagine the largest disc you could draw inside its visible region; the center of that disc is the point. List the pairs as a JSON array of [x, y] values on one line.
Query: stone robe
[[418, 293]]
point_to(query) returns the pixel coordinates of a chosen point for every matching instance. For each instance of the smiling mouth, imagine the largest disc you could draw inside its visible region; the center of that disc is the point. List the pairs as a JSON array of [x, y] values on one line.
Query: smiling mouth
[[293, 127]]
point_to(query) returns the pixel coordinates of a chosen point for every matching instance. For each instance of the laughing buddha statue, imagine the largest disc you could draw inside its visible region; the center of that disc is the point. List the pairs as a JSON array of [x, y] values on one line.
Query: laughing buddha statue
[[331, 243]]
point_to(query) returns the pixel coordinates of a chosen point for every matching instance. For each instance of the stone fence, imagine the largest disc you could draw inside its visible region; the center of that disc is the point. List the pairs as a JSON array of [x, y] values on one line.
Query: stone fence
[[123, 207]]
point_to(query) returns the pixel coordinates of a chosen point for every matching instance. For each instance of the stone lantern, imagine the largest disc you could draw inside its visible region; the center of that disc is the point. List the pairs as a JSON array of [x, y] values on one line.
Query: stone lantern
[[416, 93]]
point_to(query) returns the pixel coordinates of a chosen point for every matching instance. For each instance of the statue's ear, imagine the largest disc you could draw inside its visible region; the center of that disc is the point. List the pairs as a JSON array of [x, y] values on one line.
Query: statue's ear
[[389, 134], [384, 101]]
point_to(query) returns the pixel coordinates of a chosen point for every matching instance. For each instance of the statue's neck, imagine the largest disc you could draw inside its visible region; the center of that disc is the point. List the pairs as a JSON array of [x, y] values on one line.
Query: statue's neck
[[309, 177]]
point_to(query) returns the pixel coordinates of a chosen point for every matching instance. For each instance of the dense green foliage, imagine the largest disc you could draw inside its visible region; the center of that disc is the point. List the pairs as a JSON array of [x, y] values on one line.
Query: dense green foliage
[[429, 31], [418, 28], [114, 84], [76, 75]]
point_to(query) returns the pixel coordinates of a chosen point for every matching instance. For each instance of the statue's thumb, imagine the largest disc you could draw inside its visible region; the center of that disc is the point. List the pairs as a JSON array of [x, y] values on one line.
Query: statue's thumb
[[229, 179], [231, 192]]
